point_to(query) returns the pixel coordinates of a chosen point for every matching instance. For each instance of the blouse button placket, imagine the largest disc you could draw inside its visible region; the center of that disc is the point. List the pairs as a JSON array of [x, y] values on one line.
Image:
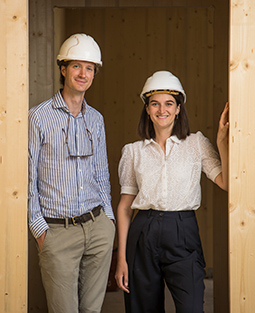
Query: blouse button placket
[[164, 183]]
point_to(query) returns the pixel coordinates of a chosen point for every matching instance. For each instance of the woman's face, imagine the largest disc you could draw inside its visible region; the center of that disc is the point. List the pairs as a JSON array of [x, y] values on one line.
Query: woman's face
[[162, 109]]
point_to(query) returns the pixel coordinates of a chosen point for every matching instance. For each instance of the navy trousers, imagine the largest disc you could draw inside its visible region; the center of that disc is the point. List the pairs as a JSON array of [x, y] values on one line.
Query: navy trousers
[[164, 248]]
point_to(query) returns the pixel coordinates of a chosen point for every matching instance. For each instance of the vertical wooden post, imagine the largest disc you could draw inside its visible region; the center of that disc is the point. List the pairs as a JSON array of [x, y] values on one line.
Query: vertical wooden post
[[13, 155], [242, 151]]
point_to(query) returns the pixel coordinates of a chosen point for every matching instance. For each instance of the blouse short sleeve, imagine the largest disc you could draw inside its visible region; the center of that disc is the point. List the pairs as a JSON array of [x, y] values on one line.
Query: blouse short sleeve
[[127, 177], [211, 164]]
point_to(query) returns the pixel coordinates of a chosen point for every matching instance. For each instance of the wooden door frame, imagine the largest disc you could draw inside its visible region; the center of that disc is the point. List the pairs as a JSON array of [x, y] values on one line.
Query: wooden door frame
[[13, 130]]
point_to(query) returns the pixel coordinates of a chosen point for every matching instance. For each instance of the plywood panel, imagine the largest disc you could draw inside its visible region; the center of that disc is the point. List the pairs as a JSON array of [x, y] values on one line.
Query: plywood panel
[[13, 155], [134, 51], [59, 37], [242, 147], [199, 77], [68, 3], [156, 41], [115, 72], [220, 198], [131, 59], [177, 42], [41, 47], [92, 23], [134, 3]]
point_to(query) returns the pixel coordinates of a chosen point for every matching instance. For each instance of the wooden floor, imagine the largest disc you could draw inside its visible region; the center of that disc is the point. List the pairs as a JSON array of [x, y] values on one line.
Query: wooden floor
[[114, 302]]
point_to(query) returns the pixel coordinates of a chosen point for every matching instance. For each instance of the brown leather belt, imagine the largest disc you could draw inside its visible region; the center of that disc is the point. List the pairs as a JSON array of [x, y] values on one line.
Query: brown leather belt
[[75, 219]]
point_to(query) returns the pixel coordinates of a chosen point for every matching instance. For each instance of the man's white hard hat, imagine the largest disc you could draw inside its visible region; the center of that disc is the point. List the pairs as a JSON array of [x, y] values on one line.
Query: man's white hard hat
[[80, 47]]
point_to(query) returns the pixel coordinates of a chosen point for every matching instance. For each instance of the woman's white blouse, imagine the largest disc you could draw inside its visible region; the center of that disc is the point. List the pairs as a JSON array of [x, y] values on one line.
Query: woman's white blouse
[[171, 181]]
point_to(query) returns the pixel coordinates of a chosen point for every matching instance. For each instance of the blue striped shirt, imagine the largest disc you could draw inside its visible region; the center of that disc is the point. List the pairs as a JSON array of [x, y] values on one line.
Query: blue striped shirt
[[60, 185]]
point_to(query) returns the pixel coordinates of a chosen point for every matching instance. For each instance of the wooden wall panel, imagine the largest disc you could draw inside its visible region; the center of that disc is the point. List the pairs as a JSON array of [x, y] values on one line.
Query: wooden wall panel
[[181, 39], [134, 3], [59, 37], [156, 36], [13, 155], [200, 99], [220, 197], [125, 66], [41, 45], [101, 3], [242, 149], [177, 42]]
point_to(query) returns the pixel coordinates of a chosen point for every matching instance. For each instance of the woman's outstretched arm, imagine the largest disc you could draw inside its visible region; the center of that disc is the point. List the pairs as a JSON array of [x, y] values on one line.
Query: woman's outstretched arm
[[222, 142]]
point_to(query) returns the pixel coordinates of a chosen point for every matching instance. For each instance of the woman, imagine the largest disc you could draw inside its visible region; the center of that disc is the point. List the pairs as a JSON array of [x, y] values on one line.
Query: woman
[[160, 177]]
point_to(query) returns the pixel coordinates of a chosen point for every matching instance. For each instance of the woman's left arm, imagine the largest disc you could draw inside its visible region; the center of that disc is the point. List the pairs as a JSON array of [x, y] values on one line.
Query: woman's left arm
[[222, 142]]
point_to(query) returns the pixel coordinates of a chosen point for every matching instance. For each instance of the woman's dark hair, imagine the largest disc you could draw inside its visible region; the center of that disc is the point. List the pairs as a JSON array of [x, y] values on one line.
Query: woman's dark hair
[[181, 124], [65, 64]]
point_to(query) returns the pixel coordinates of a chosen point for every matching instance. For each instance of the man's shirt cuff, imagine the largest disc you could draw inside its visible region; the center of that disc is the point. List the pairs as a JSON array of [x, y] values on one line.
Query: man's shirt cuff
[[38, 227]]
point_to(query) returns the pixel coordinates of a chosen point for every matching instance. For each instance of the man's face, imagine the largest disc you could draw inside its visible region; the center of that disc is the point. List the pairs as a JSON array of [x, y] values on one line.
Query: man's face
[[79, 76]]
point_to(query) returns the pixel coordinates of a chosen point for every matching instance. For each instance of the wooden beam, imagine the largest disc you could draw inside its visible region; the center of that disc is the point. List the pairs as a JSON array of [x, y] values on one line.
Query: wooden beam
[[13, 155], [242, 148]]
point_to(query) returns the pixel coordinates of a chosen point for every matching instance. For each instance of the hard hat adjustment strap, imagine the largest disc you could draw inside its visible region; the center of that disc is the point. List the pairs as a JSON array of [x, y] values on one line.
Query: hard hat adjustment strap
[[153, 92]]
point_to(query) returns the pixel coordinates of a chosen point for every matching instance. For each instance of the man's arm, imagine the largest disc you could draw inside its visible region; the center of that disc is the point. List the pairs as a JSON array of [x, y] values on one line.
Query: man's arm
[[37, 223], [102, 171]]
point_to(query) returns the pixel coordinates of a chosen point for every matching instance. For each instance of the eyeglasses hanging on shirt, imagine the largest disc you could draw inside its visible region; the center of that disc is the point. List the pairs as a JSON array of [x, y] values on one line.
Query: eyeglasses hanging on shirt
[[77, 144]]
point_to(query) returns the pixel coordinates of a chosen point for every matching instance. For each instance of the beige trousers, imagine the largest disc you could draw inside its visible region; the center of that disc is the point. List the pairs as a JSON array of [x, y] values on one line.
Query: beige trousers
[[75, 264]]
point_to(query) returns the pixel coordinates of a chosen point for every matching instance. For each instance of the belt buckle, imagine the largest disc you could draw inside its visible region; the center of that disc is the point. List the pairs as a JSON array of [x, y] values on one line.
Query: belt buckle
[[73, 220]]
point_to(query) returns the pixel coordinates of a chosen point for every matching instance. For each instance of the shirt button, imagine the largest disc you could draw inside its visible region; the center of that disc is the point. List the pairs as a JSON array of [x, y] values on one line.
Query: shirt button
[[81, 187]]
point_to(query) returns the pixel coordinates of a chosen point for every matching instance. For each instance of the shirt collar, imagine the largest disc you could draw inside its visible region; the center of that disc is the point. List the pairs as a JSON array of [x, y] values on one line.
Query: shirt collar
[[59, 102], [174, 139]]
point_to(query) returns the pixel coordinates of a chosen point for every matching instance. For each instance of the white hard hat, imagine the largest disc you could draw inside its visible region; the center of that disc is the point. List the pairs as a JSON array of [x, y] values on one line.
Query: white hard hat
[[160, 82], [80, 47]]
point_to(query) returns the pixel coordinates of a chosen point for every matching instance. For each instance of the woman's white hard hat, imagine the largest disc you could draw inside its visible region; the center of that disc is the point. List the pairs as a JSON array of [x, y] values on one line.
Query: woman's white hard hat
[[80, 47], [162, 82]]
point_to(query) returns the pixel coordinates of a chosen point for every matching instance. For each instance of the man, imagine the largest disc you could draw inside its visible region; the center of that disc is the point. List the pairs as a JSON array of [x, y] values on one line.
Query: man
[[70, 209]]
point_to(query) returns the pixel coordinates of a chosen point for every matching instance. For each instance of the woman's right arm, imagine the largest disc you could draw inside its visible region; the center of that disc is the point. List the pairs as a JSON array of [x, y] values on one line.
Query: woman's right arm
[[124, 215]]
